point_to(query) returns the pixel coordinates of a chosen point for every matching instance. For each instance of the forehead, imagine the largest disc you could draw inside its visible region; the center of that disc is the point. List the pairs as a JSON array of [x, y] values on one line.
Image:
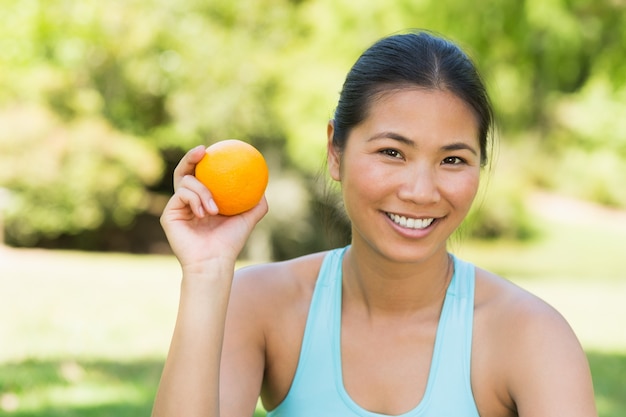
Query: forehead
[[417, 110]]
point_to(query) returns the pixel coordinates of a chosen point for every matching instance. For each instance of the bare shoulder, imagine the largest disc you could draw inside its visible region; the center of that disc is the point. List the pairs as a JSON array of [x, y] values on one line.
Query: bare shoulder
[[273, 295], [504, 303], [528, 350], [278, 281], [268, 310], [516, 321]]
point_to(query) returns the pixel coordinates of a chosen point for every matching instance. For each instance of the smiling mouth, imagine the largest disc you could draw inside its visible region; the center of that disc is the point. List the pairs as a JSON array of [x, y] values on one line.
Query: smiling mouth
[[409, 222]]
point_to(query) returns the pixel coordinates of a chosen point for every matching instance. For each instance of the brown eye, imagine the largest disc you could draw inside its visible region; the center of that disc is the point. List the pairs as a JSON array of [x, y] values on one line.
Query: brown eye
[[452, 160], [392, 153]]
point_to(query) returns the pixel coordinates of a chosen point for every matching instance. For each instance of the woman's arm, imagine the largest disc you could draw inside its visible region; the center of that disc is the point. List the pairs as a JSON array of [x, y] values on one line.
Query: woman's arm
[[550, 375], [207, 246], [190, 381]]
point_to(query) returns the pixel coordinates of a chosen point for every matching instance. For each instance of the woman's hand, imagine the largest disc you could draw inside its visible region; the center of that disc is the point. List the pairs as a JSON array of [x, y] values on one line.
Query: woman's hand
[[195, 230]]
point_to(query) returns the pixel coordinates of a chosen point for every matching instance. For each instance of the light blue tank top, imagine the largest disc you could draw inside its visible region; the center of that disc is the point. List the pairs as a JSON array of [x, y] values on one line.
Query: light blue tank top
[[317, 389]]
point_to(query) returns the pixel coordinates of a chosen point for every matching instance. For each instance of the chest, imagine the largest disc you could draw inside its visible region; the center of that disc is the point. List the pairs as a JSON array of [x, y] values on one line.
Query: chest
[[386, 368]]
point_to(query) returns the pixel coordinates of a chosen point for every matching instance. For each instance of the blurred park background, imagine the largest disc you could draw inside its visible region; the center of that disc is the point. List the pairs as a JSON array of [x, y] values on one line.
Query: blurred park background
[[100, 99]]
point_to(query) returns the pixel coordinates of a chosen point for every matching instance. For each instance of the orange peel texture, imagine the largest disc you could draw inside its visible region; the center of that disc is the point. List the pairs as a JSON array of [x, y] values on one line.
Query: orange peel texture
[[235, 173]]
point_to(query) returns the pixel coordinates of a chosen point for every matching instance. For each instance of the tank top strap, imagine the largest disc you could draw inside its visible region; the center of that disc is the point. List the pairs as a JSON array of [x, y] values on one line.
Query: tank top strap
[[449, 390], [313, 391]]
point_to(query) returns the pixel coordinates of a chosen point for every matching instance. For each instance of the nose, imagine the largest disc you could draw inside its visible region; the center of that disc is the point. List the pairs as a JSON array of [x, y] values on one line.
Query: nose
[[419, 185]]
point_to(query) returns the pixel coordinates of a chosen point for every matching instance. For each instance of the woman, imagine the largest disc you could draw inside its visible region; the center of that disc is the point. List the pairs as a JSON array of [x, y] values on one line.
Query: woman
[[392, 324]]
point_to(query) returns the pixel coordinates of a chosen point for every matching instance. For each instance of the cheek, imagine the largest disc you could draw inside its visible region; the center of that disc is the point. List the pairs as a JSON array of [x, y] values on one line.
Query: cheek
[[356, 170], [464, 189], [362, 181]]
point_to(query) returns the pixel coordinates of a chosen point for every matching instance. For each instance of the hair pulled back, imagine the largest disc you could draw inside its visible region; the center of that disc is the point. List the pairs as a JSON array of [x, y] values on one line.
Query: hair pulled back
[[416, 59]]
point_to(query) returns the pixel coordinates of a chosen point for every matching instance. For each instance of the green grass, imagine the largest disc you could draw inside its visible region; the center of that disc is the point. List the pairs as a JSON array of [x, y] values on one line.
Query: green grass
[[78, 387], [83, 334], [609, 376], [86, 334], [83, 388]]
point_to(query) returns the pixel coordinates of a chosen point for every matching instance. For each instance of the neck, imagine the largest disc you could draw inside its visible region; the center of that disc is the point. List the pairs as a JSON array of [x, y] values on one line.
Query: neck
[[379, 286]]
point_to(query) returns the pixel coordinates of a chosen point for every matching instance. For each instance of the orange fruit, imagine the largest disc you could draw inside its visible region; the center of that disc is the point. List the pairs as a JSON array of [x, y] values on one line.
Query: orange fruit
[[236, 174]]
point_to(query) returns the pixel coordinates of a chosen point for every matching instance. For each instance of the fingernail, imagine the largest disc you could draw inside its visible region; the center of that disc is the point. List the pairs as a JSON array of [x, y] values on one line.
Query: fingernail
[[213, 206]]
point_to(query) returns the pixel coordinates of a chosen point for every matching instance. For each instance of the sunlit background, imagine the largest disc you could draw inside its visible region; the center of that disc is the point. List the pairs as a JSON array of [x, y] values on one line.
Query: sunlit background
[[100, 99]]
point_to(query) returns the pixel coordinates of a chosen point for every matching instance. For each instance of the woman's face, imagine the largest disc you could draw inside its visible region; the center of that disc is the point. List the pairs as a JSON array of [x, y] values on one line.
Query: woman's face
[[409, 172]]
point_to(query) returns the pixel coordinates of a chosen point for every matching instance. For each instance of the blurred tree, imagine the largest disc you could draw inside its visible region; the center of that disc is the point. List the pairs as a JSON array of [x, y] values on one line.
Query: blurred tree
[[71, 178]]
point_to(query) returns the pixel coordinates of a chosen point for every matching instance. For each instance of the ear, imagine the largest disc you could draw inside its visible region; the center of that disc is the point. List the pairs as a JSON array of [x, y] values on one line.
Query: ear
[[333, 156]]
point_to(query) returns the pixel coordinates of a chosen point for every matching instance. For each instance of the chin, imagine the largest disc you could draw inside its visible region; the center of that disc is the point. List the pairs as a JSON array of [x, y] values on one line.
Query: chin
[[410, 253]]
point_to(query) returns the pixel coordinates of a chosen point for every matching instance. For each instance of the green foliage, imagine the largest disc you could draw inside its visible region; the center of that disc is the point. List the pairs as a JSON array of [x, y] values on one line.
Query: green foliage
[[500, 216], [66, 178], [597, 175], [500, 210], [158, 76]]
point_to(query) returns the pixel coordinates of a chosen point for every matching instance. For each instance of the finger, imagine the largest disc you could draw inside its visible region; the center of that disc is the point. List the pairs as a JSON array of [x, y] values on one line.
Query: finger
[[194, 194], [190, 182], [184, 203], [187, 164], [255, 214]]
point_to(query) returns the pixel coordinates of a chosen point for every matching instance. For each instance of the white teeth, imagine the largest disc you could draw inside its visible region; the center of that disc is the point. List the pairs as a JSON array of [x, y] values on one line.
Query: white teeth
[[410, 222]]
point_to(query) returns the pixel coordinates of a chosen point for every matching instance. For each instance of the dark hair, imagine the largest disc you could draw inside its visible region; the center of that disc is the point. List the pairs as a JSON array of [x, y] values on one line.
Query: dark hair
[[407, 60]]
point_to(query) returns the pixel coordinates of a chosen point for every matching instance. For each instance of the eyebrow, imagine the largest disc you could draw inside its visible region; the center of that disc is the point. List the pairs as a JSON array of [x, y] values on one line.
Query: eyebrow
[[448, 147], [392, 135], [459, 146]]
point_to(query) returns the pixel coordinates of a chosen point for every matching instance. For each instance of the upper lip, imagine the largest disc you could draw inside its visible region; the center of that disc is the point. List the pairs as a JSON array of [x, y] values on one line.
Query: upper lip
[[411, 216]]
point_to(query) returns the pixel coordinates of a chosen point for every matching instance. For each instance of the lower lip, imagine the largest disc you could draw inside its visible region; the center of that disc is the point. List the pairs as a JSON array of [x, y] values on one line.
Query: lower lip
[[412, 233]]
